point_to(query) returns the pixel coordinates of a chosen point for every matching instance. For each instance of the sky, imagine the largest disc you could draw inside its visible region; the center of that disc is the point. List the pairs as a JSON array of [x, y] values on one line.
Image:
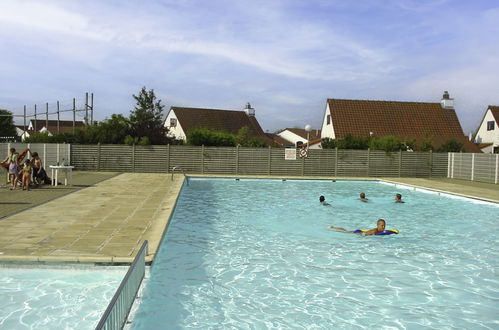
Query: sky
[[285, 57]]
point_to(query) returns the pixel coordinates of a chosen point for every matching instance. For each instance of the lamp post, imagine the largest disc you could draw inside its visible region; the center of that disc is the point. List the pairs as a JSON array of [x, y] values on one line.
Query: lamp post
[[308, 128]]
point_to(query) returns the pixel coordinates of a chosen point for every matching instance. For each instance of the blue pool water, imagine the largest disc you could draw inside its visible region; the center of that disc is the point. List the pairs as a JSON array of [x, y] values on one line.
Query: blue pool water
[[55, 298], [254, 254]]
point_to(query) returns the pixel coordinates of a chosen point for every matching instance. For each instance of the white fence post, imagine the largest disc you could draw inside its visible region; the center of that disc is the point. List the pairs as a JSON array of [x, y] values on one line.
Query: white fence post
[[472, 166], [448, 164], [452, 168], [497, 167], [45, 154]]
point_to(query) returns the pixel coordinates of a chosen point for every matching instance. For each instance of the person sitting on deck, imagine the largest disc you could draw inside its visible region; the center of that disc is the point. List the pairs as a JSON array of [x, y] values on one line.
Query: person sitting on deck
[[380, 227], [363, 197], [398, 198], [39, 174], [322, 200]]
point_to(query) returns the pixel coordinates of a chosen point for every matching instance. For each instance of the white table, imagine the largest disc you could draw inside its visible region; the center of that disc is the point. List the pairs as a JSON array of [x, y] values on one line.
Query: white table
[[66, 169]]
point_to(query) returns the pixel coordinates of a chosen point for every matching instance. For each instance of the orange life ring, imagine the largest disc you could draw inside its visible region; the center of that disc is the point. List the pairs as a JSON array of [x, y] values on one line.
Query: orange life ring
[[303, 153]]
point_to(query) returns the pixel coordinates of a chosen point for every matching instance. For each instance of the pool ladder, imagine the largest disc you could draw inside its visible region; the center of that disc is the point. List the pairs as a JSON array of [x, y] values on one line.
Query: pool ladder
[[183, 172]]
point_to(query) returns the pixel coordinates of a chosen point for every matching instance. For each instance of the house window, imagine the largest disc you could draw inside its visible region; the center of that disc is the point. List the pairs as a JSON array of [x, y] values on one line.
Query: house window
[[328, 119], [490, 125], [173, 122]]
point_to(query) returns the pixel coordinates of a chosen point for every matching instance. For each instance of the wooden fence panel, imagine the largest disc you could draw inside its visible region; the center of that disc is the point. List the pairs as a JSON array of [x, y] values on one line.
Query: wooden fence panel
[[116, 158], [254, 161], [383, 164], [352, 163], [84, 157], [281, 166], [439, 164], [150, 159], [219, 160], [188, 158], [415, 164], [320, 162]]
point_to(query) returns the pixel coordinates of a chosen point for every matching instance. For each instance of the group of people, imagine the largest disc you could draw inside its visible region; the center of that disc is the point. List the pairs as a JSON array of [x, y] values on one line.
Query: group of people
[[380, 224], [21, 169], [362, 198]]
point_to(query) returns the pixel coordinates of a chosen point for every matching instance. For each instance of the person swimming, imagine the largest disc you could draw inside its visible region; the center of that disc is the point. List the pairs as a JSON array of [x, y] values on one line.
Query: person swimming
[[322, 200], [398, 198], [380, 227], [363, 197]]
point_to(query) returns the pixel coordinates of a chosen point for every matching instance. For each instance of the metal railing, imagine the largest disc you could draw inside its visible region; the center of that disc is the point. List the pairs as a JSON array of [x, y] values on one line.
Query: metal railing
[[177, 168], [117, 311]]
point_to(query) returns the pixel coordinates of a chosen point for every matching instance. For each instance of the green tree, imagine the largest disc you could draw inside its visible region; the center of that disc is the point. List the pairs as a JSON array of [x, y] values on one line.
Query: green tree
[[328, 143], [113, 130], [426, 144], [387, 143], [145, 118], [7, 128], [451, 145], [348, 142]]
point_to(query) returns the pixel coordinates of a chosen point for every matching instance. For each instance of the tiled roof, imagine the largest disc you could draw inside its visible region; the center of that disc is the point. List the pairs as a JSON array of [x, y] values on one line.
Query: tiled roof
[[495, 112], [279, 141], [62, 129], [314, 141], [402, 119], [301, 132], [229, 121]]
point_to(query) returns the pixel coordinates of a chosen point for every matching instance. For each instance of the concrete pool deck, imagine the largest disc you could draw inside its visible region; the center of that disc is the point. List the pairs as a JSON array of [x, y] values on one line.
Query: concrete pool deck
[[106, 222]]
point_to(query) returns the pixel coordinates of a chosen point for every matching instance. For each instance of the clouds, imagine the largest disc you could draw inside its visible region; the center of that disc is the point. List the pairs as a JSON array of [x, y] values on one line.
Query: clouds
[[286, 57]]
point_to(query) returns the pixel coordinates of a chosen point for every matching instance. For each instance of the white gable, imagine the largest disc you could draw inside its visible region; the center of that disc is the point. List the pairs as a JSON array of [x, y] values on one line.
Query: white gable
[[174, 126], [485, 134], [327, 130]]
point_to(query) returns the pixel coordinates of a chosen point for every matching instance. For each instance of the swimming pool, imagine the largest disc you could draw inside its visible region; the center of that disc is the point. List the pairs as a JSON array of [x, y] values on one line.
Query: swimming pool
[[257, 254], [57, 297]]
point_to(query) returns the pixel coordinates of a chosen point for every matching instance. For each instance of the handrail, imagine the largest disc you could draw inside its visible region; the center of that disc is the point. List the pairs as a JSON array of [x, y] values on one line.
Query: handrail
[[177, 167], [117, 311]]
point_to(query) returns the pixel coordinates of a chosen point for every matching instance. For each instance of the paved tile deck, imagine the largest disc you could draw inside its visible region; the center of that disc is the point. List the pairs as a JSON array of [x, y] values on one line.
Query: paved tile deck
[[107, 222]]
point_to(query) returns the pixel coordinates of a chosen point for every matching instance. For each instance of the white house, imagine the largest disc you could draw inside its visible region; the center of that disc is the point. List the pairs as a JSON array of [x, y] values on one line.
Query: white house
[[487, 135], [405, 120], [298, 136], [181, 120]]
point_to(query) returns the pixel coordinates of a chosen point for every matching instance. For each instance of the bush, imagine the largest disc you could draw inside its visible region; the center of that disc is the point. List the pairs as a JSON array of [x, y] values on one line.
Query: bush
[[451, 145], [387, 143], [203, 136]]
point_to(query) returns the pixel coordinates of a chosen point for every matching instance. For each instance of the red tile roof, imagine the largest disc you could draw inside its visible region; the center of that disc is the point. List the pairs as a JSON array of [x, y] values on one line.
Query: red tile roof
[[229, 121], [404, 120], [279, 141], [495, 112]]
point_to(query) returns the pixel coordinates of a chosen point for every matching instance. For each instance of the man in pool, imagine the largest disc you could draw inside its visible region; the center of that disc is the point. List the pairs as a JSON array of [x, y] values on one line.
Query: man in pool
[[363, 197], [398, 198], [380, 226], [322, 200]]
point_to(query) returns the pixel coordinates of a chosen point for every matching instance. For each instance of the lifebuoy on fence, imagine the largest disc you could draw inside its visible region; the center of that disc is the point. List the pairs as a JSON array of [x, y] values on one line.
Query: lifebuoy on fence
[[303, 153]]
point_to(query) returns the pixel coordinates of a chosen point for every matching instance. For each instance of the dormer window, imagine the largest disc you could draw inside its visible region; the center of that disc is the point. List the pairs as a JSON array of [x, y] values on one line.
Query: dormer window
[[490, 125], [173, 122]]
